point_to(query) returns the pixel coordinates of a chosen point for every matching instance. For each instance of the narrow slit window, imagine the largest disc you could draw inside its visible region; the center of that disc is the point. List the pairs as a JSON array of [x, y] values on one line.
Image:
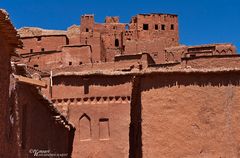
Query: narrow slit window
[[172, 27], [86, 86], [42, 49], [156, 26], [87, 30], [116, 43], [70, 63]]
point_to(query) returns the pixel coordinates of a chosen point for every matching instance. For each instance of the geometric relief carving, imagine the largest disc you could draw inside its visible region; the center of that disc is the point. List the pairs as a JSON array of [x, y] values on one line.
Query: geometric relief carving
[[92, 100], [104, 132], [84, 125]]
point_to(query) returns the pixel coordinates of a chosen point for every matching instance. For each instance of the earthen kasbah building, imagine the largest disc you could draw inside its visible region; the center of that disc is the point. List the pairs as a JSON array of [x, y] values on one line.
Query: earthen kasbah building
[[116, 90]]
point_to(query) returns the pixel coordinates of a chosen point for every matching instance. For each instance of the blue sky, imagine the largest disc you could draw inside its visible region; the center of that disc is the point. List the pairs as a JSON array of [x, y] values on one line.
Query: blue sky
[[201, 21]]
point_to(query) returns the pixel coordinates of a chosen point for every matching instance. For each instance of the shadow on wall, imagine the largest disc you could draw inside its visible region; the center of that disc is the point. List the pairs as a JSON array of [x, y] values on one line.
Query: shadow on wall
[[93, 80], [154, 81], [135, 131]]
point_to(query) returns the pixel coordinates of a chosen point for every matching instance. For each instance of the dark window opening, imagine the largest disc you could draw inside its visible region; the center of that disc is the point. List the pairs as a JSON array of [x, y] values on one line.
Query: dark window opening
[[80, 63], [87, 30], [31, 50], [163, 27], [42, 49], [145, 26], [86, 89], [116, 43], [115, 27], [70, 63], [172, 27], [39, 38], [156, 27], [103, 119], [35, 65], [67, 41]]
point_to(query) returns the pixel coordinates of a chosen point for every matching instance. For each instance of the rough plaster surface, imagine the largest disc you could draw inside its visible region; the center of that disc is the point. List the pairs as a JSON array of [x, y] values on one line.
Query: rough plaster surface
[[191, 119], [118, 91]]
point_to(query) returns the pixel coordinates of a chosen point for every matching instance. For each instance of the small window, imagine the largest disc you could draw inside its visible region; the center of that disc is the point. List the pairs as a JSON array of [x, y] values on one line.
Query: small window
[[145, 26], [87, 30], [35, 65], [172, 27], [80, 63], [86, 85], [42, 49], [31, 50], [156, 26], [116, 43], [163, 27], [115, 27], [70, 63]]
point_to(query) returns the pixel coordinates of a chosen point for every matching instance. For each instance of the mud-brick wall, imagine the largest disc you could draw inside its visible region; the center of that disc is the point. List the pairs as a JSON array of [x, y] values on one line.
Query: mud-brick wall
[[37, 126], [4, 89], [99, 108], [93, 86], [190, 115], [42, 43], [229, 61], [102, 129]]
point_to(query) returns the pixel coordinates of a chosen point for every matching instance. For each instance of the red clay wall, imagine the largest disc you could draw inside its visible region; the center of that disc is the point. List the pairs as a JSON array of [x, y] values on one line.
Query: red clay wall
[[226, 61], [69, 56], [76, 55], [94, 40], [111, 38], [84, 86], [38, 127], [161, 32], [42, 43], [46, 61], [99, 108], [73, 34], [4, 91], [192, 115]]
